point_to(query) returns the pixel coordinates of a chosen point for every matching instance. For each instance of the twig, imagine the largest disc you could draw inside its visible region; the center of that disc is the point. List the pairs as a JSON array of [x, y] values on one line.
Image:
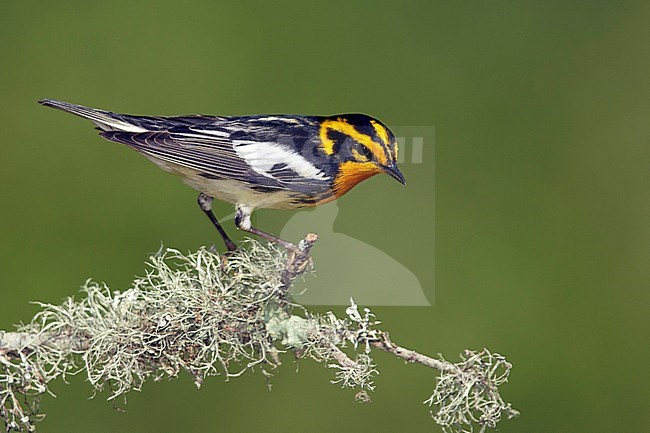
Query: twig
[[298, 260], [26, 342], [409, 355]]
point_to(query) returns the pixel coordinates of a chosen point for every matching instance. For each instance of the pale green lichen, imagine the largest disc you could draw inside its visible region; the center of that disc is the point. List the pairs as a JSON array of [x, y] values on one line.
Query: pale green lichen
[[469, 395], [210, 315]]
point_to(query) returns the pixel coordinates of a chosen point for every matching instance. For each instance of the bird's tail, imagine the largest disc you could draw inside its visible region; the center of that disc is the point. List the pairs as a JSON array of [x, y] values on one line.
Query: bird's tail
[[105, 120]]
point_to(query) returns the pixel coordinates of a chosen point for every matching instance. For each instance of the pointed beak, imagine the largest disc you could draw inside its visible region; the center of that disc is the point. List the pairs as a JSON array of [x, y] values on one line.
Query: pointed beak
[[394, 172]]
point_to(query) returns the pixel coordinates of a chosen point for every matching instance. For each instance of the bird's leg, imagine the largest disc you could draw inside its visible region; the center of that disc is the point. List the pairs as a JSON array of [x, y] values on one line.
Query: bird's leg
[[243, 221], [205, 203]]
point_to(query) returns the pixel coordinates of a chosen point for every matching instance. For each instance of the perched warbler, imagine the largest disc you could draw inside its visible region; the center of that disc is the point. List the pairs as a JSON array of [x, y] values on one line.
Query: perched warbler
[[264, 161]]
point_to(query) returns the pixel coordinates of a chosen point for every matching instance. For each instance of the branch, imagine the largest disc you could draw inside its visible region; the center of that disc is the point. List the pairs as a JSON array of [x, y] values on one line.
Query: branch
[[409, 355], [298, 260], [209, 315]]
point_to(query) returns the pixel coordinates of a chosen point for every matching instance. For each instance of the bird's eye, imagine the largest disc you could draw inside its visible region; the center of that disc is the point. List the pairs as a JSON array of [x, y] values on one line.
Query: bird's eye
[[362, 150]]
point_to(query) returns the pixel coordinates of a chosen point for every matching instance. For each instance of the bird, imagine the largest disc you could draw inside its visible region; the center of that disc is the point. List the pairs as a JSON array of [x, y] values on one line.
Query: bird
[[273, 161]]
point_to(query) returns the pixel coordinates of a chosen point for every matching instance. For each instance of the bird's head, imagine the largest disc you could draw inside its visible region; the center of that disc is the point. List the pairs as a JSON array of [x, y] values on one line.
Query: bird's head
[[361, 146]]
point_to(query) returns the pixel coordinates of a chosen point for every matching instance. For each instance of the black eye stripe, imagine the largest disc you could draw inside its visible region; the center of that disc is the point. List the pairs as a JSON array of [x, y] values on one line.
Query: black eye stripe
[[338, 138], [342, 141], [363, 150]]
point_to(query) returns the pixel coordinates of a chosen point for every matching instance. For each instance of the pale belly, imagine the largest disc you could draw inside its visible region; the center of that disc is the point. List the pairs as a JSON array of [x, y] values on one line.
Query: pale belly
[[239, 193]]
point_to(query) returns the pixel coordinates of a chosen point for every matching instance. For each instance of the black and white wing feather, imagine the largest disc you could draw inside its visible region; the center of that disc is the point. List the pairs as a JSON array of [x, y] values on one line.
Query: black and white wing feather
[[110, 121], [247, 154], [271, 153]]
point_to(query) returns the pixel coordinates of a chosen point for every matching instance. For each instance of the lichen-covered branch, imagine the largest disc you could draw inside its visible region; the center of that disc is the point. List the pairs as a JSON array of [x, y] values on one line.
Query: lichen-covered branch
[[467, 393], [211, 315], [384, 343]]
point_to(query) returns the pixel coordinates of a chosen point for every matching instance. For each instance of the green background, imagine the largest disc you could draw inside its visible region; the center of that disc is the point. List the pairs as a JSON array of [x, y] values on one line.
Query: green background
[[541, 251]]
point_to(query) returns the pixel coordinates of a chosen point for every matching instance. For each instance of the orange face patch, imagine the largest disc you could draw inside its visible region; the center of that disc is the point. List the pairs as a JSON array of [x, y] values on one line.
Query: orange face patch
[[351, 173], [342, 126]]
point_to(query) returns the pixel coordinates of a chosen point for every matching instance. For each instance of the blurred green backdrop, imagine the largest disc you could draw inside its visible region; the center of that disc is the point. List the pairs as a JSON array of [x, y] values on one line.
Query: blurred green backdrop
[[541, 197]]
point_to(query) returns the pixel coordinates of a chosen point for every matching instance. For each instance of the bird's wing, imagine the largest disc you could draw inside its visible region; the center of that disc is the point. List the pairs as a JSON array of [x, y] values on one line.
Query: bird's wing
[[110, 121], [218, 153]]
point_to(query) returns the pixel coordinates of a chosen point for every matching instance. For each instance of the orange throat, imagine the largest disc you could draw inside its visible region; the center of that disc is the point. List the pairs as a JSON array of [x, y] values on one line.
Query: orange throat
[[351, 173]]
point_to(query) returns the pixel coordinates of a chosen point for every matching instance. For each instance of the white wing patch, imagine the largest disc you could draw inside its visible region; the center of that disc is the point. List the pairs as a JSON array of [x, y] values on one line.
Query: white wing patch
[[107, 123], [188, 135], [263, 155], [214, 132], [279, 119]]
